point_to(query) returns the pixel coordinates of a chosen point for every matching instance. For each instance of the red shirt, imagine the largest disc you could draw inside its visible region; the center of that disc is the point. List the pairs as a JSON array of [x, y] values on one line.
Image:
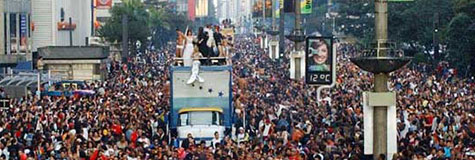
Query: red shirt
[[94, 155], [23, 156], [134, 136], [18, 134], [117, 129]]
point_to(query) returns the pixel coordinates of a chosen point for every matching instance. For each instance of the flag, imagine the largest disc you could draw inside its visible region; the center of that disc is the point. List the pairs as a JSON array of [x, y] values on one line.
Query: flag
[[191, 10], [201, 8], [306, 6], [277, 7]]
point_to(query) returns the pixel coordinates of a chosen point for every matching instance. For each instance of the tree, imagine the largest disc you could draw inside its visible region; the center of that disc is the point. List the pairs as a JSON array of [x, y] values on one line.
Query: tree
[[413, 24], [315, 20], [159, 22], [137, 16], [164, 23], [356, 19], [460, 38], [145, 20]]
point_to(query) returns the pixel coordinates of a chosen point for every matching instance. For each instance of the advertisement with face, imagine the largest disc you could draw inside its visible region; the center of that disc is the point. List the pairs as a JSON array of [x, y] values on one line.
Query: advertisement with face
[[319, 60]]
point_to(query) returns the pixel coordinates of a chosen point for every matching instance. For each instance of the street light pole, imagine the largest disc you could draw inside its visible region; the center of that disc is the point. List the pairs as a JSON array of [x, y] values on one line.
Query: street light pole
[[263, 11], [297, 56], [273, 15], [70, 32], [297, 23], [381, 80], [281, 29], [381, 60]]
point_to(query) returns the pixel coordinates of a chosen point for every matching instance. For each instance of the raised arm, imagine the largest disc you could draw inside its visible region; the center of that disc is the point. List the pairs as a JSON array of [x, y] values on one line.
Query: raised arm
[[181, 35]]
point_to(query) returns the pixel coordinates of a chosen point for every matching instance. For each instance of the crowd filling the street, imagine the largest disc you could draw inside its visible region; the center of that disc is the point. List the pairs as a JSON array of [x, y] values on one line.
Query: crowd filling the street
[[276, 117]]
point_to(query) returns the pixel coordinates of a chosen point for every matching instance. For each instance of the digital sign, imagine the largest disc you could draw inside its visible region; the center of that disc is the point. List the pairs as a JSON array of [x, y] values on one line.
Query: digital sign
[[319, 61]]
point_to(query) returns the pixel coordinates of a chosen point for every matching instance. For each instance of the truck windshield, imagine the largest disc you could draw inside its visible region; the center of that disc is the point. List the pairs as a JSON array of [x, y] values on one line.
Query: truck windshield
[[200, 118]]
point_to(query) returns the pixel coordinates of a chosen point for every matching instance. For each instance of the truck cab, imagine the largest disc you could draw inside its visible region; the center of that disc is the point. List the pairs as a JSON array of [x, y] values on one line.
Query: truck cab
[[202, 122]]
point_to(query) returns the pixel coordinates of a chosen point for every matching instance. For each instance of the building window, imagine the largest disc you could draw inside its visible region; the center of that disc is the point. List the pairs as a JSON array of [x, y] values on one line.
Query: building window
[[13, 33], [5, 31], [96, 69], [61, 14], [13, 25]]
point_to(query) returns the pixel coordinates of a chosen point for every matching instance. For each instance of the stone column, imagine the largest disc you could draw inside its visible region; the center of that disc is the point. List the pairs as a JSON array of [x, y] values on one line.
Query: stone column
[[3, 30]]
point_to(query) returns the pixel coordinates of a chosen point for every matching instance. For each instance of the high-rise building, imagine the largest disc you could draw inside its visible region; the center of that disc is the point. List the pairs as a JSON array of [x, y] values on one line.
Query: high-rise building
[[15, 46], [182, 6], [51, 19], [16, 27]]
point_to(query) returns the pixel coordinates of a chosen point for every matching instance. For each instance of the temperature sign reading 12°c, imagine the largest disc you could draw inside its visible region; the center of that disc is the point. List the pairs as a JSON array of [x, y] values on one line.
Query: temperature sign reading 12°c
[[320, 59]]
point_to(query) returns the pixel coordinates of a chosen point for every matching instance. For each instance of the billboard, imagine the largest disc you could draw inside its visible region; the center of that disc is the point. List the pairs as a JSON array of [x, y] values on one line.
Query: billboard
[[103, 4], [201, 9], [319, 61]]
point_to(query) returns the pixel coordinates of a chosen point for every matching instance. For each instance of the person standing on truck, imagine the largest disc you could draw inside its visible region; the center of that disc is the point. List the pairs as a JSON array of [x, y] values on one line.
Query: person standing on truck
[[218, 40], [202, 39], [210, 41], [188, 51], [180, 42]]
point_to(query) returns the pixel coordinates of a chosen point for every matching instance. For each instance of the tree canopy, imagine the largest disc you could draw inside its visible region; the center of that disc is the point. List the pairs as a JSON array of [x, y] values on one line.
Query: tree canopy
[[148, 25], [415, 26]]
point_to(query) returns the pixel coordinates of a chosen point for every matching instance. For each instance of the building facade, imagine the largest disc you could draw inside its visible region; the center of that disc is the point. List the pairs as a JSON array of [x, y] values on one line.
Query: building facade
[[51, 22], [15, 33]]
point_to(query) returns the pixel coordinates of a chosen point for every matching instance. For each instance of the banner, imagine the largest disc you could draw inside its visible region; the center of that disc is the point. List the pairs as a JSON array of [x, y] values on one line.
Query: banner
[[201, 8], [276, 8], [103, 4], [191, 10], [23, 30], [269, 4], [306, 6], [257, 8]]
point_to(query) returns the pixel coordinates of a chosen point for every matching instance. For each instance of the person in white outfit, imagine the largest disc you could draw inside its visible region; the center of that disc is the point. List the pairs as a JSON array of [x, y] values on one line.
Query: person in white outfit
[[195, 68], [187, 60], [211, 42]]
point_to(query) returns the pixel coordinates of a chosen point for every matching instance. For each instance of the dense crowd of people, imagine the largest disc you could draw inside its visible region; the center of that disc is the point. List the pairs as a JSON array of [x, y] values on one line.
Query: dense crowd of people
[[277, 118]]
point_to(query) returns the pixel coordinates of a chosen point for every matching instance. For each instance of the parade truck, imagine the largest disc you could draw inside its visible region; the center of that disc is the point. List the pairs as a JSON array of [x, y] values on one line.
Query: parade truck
[[201, 107]]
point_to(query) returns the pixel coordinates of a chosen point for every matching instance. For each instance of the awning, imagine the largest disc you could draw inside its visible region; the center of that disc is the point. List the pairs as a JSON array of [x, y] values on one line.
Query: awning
[[24, 65]]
